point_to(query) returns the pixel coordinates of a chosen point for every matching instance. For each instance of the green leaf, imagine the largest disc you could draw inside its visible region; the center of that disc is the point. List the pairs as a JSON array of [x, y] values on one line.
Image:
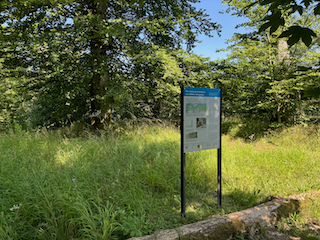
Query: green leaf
[[297, 8], [264, 27], [296, 33], [307, 2], [285, 34], [307, 40], [316, 10], [306, 35], [265, 2], [291, 30], [313, 92], [303, 68], [274, 21], [276, 25], [293, 39], [310, 32]]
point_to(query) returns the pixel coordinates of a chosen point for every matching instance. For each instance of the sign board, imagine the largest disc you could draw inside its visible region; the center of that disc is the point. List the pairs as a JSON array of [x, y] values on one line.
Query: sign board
[[200, 130], [201, 127]]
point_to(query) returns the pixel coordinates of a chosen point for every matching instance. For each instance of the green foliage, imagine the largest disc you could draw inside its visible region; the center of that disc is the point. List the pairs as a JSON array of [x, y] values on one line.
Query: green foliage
[[278, 9], [83, 61], [164, 71], [296, 33], [97, 222], [265, 79], [302, 223], [126, 186]]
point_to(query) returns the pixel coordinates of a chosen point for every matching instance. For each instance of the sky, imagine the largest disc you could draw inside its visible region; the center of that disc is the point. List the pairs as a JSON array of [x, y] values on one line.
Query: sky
[[208, 46]]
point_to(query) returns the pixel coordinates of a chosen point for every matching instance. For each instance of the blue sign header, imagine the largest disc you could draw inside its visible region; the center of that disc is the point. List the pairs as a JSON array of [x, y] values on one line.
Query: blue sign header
[[202, 92]]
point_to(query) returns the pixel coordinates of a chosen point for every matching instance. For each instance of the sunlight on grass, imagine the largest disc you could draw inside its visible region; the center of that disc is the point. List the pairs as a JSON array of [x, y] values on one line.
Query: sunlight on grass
[[138, 174], [67, 156]]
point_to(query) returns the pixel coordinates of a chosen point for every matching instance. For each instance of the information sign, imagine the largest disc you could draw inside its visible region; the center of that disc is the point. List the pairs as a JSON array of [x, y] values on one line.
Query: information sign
[[201, 110], [200, 130]]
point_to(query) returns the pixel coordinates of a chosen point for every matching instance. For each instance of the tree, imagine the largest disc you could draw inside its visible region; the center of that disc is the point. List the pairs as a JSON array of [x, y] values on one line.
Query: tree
[[13, 110], [276, 17], [80, 57], [271, 78]]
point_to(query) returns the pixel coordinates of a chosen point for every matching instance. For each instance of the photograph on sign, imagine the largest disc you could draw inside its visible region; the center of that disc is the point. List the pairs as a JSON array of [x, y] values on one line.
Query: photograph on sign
[[201, 119]]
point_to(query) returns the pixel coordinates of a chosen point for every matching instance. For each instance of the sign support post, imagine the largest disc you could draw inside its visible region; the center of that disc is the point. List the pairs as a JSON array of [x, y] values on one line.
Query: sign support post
[[183, 162], [200, 130], [219, 191]]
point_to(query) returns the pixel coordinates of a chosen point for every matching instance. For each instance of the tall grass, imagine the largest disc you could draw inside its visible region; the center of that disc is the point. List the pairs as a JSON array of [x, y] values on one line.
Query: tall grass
[[115, 187]]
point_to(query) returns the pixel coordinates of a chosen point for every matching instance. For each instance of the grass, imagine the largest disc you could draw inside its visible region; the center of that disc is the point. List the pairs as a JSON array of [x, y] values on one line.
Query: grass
[[128, 184], [301, 224], [305, 222]]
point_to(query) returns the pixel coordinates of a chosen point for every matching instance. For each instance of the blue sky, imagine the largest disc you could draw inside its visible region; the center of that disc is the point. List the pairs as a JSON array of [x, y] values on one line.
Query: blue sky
[[208, 46]]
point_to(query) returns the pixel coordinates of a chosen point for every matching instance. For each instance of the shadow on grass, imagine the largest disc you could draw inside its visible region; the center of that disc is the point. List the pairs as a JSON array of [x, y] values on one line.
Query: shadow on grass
[[248, 130], [246, 199], [228, 125]]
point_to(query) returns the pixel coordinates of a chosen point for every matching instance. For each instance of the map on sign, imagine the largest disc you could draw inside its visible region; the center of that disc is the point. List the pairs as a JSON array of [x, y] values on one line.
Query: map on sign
[[196, 108], [201, 119]]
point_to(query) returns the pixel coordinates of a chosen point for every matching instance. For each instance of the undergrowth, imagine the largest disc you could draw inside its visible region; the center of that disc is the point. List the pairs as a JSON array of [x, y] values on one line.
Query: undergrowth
[[127, 183]]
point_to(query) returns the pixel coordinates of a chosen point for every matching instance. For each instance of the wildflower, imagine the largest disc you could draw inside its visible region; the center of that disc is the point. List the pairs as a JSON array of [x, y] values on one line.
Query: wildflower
[[74, 181], [15, 207], [251, 136]]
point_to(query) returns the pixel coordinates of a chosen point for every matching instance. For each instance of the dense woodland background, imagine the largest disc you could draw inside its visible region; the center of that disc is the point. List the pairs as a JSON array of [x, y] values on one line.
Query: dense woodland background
[[104, 64], [100, 62]]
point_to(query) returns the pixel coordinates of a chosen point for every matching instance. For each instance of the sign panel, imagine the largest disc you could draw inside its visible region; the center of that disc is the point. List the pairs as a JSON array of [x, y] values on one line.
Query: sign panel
[[201, 127]]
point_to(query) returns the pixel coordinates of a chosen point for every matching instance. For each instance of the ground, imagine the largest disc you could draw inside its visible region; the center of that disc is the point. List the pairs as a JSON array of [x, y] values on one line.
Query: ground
[[284, 231]]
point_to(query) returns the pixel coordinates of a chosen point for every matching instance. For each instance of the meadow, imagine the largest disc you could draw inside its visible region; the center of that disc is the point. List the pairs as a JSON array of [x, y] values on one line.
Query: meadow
[[58, 185]]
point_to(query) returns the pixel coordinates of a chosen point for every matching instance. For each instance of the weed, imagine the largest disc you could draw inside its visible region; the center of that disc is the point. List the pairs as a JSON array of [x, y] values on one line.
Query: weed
[[96, 222], [129, 184]]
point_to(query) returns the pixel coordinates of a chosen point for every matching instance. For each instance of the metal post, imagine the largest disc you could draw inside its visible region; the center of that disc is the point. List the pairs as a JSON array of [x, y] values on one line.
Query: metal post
[[219, 192], [183, 185], [219, 178], [183, 161]]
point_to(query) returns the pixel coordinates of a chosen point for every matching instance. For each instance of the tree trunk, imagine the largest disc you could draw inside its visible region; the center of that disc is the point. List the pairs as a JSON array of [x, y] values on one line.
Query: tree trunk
[[224, 227], [284, 60], [283, 52], [98, 82]]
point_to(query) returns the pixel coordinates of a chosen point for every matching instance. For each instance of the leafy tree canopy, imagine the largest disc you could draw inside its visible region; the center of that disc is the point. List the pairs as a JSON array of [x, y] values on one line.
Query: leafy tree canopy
[[276, 16], [264, 77], [80, 58]]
